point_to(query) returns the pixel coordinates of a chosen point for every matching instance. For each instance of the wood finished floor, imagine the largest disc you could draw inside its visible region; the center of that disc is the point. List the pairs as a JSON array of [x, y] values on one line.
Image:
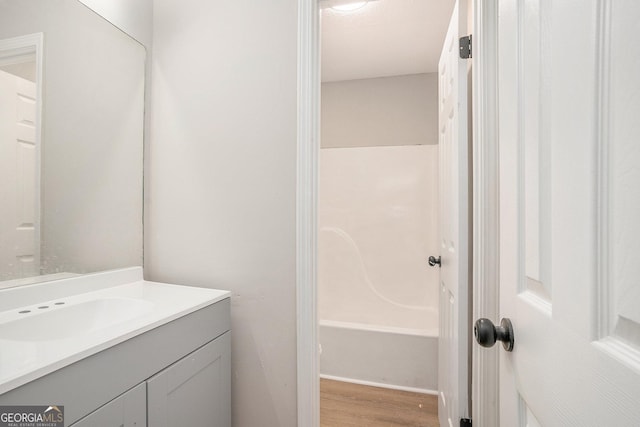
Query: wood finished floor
[[351, 405]]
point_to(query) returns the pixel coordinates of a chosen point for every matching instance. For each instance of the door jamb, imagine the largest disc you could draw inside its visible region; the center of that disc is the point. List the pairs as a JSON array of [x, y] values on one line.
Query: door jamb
[[308, 151], [485, 364]]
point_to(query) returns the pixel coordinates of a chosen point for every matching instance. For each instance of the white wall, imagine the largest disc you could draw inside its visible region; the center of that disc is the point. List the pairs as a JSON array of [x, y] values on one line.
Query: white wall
[[401, 110], [222, 181]]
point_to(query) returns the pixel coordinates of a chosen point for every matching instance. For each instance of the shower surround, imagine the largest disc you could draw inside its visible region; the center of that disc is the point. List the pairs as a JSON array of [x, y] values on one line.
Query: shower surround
[[378, 298]]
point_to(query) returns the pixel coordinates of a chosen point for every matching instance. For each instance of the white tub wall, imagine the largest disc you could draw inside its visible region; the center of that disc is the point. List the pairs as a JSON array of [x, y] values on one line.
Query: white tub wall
[[381, 198], [381, 358], [378, 226]]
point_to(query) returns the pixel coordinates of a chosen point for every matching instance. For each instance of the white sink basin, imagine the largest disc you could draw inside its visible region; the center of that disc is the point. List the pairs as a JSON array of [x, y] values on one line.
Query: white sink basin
[[44, 327], [61, 321]]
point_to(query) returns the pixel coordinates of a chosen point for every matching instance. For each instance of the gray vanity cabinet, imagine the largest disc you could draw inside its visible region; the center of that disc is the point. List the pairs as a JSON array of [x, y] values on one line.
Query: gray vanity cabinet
[[177, 374], [126, 410], [195, 390]]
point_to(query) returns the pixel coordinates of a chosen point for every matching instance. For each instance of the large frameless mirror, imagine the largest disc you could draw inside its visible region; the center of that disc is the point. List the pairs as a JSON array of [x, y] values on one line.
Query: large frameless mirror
[[71, 142]]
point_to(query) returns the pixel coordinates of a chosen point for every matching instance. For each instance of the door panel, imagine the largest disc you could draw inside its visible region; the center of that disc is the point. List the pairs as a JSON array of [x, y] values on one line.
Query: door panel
[[453, 359], [534, 155], [19, 186], [623, 290], [569, 209]]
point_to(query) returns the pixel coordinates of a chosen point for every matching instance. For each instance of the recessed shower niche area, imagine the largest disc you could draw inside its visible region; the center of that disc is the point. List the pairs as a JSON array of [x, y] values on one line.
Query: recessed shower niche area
[[378, 187]]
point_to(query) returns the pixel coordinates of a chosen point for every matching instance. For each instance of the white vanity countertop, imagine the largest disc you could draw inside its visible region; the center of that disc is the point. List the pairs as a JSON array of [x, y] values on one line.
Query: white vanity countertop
[[70, 319]]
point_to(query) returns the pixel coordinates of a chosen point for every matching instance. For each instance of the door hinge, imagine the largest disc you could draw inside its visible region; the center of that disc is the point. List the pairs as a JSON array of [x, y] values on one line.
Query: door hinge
[[465, 47], [465, 422]]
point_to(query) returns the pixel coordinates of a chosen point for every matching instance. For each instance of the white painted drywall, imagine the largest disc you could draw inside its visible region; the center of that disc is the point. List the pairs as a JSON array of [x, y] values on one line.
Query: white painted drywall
[[132, 16], [222, 181], [401, 110]]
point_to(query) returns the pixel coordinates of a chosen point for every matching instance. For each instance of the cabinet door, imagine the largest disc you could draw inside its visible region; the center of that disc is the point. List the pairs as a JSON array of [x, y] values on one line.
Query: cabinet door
[[127, 410], [194, 391]]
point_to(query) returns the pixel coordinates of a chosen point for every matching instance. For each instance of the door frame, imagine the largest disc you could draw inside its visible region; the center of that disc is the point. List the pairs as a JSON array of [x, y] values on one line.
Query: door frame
[[486, 296], [308, 152], [485, 213]]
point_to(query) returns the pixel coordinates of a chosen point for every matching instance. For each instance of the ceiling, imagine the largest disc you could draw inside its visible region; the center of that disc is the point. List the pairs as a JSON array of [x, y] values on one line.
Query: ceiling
[[384, 38]]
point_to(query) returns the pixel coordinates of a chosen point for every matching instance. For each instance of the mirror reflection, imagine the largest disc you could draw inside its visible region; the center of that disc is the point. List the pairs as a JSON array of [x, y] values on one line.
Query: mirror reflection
[[71, 142], [19, 158]]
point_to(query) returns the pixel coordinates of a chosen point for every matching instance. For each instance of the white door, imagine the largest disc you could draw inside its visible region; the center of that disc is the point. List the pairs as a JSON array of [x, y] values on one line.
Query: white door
[[453, 358], [569, 142], [19, 187]]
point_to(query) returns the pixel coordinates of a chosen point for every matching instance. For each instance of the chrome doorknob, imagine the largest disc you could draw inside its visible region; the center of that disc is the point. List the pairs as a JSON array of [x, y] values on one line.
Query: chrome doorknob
[[487, 333], [433, 261]]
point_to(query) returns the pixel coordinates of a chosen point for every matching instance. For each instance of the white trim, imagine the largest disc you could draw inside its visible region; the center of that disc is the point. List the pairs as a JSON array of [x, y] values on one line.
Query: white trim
[[308, 381], [485, 393], [19, 46], [605, 319], [609, 329], [381, 385]]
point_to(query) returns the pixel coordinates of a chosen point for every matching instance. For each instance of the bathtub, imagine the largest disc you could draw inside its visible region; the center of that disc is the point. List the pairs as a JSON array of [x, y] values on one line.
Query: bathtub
[[382, 356], [378, 299]]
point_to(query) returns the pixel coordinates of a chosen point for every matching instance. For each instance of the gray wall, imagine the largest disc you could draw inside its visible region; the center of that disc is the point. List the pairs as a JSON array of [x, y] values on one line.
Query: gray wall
[[400, 110], [222, 181]]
